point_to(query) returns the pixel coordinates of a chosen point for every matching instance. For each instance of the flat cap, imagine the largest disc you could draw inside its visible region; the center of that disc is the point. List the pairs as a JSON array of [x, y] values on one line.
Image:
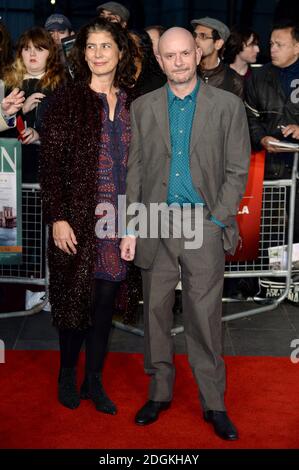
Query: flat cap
[[115, 8], [212, 23]]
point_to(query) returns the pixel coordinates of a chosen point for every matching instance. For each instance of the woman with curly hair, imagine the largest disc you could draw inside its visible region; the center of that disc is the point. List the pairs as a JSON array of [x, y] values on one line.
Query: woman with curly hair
[[85, 141], [36, 70]]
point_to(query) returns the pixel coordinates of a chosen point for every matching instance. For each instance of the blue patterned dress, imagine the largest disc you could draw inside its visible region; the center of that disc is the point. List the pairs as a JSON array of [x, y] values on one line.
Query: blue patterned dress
[[112, 169]]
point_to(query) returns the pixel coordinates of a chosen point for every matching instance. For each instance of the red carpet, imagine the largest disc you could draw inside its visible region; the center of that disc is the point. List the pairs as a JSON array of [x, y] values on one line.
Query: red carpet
[[262, 400]]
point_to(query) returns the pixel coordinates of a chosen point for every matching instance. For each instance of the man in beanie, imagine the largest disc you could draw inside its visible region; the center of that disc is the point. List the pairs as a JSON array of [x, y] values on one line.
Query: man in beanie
[[114, 12], [59, 26], [210, 36]]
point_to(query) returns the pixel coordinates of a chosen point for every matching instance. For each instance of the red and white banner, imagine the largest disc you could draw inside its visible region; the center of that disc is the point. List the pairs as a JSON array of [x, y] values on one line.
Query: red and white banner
[[249, 216]]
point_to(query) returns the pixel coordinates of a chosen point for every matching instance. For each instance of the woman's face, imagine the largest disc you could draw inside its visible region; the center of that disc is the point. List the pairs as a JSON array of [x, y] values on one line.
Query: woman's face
[[102, 54], [35, 58]]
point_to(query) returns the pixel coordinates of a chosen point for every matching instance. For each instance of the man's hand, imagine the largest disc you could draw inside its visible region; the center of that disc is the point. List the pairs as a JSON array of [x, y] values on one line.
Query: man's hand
[[292, 130], [127, 248], [13, 102], [270, 148], [32, 102], [64, 237]]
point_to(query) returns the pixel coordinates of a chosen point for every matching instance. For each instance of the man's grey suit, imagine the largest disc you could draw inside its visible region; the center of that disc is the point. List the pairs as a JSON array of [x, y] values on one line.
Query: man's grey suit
[[219, 159]]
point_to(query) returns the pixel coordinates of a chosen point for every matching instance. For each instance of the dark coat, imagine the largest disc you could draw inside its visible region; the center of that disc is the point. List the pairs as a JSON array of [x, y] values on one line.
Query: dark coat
[[68, 163]]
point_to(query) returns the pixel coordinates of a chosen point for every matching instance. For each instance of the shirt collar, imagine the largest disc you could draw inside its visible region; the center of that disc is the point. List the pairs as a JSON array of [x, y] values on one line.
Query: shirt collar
[[192, 96]]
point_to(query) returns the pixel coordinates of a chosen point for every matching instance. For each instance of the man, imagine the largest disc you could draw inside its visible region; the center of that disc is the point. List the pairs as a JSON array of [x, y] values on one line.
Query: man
[[272, 103], [115, 12], [241, 50], [59, 26], [190, 145], [10, 105], [210, 36]]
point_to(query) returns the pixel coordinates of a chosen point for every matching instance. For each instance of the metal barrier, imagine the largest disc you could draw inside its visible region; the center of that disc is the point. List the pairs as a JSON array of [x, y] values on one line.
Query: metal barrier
[[33, 269], [276, 229]]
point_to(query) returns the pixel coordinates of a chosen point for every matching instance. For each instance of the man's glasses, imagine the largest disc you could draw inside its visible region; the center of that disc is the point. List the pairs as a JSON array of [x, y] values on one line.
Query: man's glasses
[[202, 36]]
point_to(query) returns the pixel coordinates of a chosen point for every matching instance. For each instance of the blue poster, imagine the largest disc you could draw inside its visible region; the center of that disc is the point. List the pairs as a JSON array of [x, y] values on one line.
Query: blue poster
[[10, 202]]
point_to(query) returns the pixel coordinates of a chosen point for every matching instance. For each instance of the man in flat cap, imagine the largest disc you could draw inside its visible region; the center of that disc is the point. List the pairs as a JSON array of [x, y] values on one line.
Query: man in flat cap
[[114, 12], [210, 35], [59, 26]]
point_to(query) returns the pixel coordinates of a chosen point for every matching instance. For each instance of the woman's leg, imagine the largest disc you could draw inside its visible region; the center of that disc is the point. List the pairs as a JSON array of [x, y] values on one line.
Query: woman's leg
[[98, 334], [70, 344], [96, 345]]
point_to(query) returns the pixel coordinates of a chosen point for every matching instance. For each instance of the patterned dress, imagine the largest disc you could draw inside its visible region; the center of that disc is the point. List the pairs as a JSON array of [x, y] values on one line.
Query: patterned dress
[[112, 168]]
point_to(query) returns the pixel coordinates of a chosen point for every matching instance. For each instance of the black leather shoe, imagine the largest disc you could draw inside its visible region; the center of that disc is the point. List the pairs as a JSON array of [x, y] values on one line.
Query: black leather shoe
[[67, 388], [223, 426], [150, 412], [92, 388]]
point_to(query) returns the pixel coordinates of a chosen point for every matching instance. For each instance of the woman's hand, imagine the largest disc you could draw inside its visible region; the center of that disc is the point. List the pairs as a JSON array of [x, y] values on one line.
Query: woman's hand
[[64, 237], [13, 102], [32, 102], [29, 136]]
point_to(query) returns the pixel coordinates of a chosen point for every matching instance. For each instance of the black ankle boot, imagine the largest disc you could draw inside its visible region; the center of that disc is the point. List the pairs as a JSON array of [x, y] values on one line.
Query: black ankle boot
[[92, 388], [67, 388]]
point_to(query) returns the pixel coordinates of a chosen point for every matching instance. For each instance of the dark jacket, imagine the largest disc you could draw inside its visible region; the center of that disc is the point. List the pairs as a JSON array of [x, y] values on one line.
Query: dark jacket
[[267, 105], [225, 78], [68, 164], [267, 108]]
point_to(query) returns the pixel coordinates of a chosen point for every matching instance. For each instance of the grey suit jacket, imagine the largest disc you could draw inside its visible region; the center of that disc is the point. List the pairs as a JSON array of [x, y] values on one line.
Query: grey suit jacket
[[219, 158]]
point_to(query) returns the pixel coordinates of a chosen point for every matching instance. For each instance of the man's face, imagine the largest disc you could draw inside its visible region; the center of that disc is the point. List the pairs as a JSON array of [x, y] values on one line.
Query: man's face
[[58, 35], [204, 40], [250, 51], [178, 58], [108, 15], [284, 48]]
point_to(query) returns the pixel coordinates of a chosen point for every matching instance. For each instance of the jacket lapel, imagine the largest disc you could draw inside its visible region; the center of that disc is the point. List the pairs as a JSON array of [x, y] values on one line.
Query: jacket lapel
[[204, 106], [160, 109]]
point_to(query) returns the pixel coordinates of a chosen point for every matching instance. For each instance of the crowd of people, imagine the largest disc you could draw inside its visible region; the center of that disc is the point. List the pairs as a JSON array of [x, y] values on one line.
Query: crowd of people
[[163, 116]]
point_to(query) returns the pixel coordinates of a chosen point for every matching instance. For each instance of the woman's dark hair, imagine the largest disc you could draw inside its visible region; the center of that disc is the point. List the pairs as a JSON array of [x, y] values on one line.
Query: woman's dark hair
[[6, 54], [126, 69], [236, 42], [149, 64]]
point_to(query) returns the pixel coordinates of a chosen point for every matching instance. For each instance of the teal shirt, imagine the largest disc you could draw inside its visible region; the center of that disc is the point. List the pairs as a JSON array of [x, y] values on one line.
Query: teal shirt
[[181, 114]]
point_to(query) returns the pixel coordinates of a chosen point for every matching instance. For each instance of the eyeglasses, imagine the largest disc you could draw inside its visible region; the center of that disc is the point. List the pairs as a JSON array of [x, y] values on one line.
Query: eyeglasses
[[202, 36]]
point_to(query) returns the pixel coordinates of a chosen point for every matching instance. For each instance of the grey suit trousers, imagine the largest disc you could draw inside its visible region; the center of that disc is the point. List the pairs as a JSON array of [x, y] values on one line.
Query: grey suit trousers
[[202, 273]]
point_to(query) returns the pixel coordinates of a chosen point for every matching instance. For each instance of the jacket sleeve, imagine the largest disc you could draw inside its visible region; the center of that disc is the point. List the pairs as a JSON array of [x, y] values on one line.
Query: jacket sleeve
[[54, 134], [237, 158], [256, 128]]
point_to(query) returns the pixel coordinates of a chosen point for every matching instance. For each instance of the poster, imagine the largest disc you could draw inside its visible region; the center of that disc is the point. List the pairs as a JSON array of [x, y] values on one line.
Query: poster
[[249, 215], [10, 202]]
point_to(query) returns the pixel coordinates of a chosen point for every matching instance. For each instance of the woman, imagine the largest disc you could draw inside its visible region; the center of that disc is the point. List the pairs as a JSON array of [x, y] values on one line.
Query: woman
[[149, 75], [36, 71], [85, 143]]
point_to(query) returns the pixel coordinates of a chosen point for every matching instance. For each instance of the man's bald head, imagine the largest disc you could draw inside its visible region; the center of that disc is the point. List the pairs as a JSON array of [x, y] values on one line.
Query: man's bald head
[[178, 55], [174, 35]]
